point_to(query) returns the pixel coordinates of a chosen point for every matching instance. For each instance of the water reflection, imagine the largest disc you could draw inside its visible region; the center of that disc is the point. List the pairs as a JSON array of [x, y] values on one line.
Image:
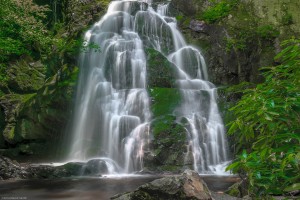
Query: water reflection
[[89, 188]]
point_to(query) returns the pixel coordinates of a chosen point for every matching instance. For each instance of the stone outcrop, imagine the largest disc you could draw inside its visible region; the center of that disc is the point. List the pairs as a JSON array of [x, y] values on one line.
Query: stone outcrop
[[187, 186], [35, 99], [245, 39]]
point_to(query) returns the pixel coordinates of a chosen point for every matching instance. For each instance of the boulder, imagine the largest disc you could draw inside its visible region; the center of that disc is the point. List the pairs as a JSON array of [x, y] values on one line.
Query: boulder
[[188, 185], [160, 70], [11, 170], [198, 26], [95, 167]]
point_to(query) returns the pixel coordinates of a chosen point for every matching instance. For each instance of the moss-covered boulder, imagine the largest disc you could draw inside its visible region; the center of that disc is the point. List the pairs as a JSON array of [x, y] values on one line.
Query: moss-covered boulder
[[33, 123], [11, 105], [26, 76], [160, 70], [169, 137], [37, 92]]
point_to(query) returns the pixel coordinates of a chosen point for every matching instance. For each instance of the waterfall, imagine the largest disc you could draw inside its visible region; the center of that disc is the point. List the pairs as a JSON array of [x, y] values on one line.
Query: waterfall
[[112, 105], [112, 115], [206, 132]]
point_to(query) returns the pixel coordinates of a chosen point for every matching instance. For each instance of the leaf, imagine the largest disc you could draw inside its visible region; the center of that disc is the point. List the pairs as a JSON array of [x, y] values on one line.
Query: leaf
[[258, 175], [295, 186], [244, 154], [234, 166], [267, 117]]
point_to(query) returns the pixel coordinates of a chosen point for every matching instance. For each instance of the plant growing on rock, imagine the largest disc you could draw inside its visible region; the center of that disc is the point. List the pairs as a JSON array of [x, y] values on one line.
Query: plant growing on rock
[[267, 120], [22, 28], [219, 10]]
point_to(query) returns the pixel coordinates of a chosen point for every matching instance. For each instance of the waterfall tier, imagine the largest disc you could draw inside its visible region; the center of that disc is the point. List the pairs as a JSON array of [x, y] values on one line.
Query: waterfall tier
[[112, 115]]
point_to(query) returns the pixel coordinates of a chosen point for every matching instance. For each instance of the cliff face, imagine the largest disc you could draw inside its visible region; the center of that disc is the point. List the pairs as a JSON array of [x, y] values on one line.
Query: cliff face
[[36, 97], [241, 37], [237, 37]]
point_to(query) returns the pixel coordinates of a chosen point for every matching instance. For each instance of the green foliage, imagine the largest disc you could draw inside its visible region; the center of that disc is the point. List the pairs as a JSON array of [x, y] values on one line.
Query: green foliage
[[267, 32], [179, 17], [165, 100], [74, 47], [238, 44], [287, 19], [219, 10], [70, 76], [268, 121], [22, 28]]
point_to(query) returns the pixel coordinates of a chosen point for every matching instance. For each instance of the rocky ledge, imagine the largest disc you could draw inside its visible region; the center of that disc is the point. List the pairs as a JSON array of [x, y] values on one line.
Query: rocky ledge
[[12, 170]]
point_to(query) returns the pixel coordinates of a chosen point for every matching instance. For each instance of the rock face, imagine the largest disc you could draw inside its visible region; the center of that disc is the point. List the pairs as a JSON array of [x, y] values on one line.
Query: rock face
[[189, 185], [36, 95], [243, 40]]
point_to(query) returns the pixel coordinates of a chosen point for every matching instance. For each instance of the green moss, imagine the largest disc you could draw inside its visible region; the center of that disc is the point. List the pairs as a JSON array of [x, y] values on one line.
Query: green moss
[[169, 131], [24, 77], [165, 100], [267, 32], [218, 10], [160, 70], [239, 44], [11, 134]]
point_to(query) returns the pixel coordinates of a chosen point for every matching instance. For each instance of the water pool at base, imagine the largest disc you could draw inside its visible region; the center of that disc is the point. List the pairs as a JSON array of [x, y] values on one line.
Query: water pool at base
[[99, 188]]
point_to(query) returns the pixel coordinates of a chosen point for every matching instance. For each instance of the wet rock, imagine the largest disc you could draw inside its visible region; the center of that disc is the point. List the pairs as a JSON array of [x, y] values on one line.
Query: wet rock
[[238, 189], [26, 76], [198, 26], [189, 185], [188, 7], [160, 71], [95, 167], [11, 170]]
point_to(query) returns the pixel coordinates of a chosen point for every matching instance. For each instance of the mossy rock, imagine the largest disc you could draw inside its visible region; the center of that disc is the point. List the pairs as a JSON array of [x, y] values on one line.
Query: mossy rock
[[12, 104], [169, 137], [160, 70], [168, 145], [164, 100], [26, 76], [189, 7]]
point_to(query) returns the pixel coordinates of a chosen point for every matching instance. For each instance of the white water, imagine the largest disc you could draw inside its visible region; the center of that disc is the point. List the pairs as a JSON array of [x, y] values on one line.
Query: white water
[[112, 114], [112, 106]]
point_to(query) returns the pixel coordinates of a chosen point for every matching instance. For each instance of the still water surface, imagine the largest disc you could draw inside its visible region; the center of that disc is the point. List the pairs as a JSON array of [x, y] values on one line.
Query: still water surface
[[101, 188]]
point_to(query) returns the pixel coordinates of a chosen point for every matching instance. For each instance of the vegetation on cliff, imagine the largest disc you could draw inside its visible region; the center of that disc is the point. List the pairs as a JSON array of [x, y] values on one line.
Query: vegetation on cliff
[[266, 127], [39, 42], [38, 49], [239, 38]]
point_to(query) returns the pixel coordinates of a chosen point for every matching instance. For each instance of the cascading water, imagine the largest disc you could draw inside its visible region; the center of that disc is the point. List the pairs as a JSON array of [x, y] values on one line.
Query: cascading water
[[199, 107], [112, 113]]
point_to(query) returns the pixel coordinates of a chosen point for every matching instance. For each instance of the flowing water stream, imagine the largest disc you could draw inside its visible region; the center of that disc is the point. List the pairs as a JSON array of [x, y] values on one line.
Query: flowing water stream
[[112, 116]]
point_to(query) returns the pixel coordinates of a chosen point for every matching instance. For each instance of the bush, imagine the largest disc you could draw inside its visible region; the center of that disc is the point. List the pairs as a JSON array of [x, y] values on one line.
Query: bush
[[267, 32], [219, 10], [22, 29], [268, 120]]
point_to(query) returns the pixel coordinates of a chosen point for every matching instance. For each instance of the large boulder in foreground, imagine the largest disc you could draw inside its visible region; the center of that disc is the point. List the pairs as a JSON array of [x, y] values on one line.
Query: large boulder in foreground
[[189, 186]]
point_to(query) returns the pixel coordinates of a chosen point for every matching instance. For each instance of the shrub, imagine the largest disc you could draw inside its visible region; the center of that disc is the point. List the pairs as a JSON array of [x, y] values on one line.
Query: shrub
[[219, 10], [268, 118], [267, 32]]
